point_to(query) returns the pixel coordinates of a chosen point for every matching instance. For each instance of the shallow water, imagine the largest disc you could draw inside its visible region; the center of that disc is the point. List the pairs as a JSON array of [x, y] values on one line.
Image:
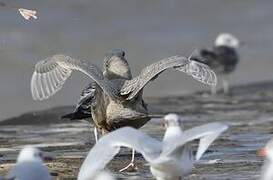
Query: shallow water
[[147, 30], [248, 112]]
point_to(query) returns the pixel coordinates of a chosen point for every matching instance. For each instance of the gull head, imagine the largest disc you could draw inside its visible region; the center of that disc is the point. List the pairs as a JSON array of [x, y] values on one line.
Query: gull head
[[172, 120], [267, 151], [116, 65], [226, 39], [30, 153]]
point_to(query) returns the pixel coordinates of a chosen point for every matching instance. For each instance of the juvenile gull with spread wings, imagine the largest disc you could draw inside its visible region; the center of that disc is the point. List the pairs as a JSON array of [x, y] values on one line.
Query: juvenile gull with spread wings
[[170, 159], [115, 97]]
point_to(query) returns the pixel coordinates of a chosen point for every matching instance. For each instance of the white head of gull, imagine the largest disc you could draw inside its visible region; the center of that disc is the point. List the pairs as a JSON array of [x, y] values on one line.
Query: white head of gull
[[267, 169], [170, 159], [172, 123], [228, 40], [29, 166]]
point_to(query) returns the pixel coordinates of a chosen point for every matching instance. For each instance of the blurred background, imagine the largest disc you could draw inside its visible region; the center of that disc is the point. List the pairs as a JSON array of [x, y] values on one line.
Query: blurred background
[[147, 30]]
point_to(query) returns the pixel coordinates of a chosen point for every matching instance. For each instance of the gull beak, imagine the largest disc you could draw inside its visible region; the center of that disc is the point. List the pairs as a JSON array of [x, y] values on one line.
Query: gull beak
[[262, 152], [162, 123]]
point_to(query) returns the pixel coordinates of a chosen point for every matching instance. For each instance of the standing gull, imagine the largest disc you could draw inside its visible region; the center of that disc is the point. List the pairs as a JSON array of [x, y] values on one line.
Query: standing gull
[[116, 97], [170, 159], [223, 58], [29, 165]]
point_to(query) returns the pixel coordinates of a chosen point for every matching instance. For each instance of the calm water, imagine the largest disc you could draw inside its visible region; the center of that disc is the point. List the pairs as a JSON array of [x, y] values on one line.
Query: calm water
[[146, 30]]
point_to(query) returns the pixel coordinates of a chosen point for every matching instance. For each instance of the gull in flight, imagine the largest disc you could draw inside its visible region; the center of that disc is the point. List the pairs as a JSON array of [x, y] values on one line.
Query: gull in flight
[[25, 13], [169, 160], [29, 165], [223, 58], [114, 97], [267, 169]]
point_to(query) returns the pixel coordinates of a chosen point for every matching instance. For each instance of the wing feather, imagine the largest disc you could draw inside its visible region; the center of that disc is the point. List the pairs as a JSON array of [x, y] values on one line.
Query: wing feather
[[50, 83], [87, 100], [50, 75], [198, 71], [43, 82], [33, 85], [109, 145], [206, 133]]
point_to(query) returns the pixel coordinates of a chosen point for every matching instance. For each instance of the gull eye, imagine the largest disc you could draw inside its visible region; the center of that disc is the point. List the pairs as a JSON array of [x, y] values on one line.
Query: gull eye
[[107, 63]]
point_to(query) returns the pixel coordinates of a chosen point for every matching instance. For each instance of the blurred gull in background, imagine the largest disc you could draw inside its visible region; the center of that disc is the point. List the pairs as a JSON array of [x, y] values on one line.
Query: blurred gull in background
[[25, 13], [29, 165], [223, 58]]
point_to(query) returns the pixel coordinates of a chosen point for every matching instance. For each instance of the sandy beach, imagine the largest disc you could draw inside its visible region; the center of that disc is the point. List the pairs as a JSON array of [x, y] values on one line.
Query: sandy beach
[[248, 111]]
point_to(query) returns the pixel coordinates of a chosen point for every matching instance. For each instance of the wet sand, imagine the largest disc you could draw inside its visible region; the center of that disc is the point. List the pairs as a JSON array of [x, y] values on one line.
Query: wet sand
[[248, 111]]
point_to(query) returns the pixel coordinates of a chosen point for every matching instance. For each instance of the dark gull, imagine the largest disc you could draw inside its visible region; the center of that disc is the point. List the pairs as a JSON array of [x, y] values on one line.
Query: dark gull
[[223, 58], [115, 96]]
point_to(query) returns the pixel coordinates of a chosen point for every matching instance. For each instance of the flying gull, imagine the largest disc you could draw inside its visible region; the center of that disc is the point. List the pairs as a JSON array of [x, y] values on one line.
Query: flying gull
[[223, 58], [25, 13], [115, 96], [170, 159]]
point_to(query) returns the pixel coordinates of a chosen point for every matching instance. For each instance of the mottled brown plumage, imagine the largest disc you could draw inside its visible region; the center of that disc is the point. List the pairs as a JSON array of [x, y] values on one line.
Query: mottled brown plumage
[[117, 97]]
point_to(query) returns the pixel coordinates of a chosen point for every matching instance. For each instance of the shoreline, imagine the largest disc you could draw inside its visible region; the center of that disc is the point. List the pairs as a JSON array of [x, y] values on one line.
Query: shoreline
[[52, 115], [248, 112]]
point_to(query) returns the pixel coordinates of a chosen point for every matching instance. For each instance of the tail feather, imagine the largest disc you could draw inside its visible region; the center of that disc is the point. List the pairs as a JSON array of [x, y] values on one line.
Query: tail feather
[[68, 116], [76, 116]]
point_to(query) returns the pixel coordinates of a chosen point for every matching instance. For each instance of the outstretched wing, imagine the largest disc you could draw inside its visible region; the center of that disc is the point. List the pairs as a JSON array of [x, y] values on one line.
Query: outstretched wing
[[206, 133], [109, 145], [83, 108], [197, 70], [51, 73]]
